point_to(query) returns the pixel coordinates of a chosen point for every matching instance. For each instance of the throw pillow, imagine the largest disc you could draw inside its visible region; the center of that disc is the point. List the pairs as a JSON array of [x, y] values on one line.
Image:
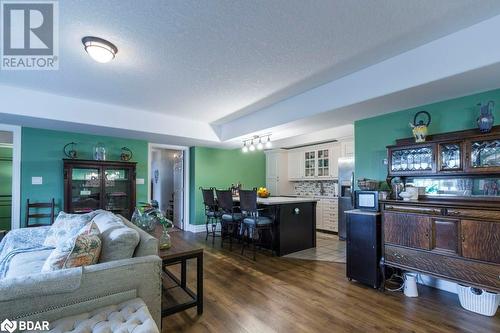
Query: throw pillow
[[81, 250], [65, 227]]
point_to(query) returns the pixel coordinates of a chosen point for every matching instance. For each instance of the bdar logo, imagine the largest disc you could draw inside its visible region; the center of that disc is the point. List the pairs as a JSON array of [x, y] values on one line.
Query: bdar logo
[[8, 326]]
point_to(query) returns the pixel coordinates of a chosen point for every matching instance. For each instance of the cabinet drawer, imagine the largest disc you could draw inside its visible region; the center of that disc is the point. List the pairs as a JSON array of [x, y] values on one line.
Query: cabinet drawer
[[478, 274], [473, 213], [414, 209]]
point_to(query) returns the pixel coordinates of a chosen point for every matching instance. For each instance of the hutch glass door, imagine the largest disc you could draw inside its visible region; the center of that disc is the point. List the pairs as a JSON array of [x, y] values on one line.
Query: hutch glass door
[[117, 190], [450, 156], [485, 155], [85, 189]]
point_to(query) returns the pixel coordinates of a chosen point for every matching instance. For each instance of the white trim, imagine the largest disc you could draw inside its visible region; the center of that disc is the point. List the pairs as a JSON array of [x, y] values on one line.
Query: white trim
[[185, 223], [16, 174]]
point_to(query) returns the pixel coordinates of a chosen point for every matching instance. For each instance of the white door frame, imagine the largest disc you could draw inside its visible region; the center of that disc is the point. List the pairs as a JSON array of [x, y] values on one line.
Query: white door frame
[[16, 174], [185, 151]]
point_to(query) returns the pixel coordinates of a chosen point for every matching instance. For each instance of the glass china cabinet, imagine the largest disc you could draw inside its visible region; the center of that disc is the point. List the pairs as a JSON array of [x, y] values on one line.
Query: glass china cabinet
[[411, 160], [450, 156], [92, 185], [483, 155]]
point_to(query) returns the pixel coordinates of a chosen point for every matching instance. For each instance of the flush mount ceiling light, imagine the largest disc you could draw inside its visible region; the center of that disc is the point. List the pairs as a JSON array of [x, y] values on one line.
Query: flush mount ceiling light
[[99, 49]]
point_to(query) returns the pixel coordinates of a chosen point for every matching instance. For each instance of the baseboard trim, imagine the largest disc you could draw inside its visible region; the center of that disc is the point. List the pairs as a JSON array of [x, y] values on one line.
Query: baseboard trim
[[196, 228]]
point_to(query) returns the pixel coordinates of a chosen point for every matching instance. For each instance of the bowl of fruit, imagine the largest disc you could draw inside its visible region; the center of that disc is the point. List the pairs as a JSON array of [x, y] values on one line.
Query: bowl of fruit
[[262, 192]]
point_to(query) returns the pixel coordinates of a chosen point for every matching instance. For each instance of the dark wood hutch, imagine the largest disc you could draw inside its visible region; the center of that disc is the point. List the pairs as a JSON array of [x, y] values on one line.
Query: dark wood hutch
[[454, 232], [91, 185]]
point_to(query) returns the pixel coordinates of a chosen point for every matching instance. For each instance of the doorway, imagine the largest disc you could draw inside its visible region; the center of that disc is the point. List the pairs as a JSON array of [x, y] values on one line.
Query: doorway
[[167, 182], [6, 170]]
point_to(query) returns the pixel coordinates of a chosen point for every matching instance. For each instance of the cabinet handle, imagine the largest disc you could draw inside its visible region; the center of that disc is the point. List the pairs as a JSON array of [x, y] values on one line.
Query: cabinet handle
[[463, 238]]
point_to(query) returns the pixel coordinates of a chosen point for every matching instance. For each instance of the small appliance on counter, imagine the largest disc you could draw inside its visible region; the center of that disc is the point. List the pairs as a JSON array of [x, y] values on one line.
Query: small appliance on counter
[[367, 200], [364, 247]]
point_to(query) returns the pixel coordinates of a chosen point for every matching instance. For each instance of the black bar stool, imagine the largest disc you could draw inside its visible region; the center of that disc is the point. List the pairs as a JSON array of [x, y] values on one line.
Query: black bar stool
[[211, 211], [254, 223], [230, 220]]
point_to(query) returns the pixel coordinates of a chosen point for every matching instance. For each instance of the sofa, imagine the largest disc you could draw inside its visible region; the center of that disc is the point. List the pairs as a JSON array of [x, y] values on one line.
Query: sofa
[[127, 270]]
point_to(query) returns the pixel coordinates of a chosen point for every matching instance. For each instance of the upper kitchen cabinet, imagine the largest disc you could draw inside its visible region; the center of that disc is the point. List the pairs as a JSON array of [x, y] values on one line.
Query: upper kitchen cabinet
[[347, 148], [277, 172], [295, 170], [316, 162]]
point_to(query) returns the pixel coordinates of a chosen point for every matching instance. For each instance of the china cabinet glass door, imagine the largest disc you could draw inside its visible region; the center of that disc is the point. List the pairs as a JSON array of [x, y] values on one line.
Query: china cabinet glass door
[[323, 163], [310, 164], [412, 160], [117, 188], [85, 189], [450, 156], [484, 155]]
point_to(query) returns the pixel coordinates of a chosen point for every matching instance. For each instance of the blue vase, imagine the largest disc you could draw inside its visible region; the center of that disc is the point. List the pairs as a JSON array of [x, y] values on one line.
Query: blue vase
[[485, 120]]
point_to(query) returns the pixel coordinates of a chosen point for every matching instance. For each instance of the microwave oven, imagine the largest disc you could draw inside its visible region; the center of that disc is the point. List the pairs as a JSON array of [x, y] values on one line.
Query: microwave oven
[[367, 200]]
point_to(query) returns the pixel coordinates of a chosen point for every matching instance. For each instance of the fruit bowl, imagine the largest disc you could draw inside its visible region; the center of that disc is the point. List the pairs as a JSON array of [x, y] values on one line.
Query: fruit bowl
[[262, 192]]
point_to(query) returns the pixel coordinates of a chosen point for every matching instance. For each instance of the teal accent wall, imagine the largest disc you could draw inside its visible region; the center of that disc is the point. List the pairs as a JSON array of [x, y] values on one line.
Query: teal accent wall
[[42, 154], [372, 135], [5, 187], [210, 167]]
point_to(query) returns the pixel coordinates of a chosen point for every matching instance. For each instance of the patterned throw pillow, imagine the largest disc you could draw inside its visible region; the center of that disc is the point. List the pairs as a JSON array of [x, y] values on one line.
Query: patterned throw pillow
[[65, 227], [81, 250]]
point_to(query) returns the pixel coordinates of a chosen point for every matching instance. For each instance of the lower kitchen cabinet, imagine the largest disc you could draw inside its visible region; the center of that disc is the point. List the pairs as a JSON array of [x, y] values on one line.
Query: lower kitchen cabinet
[[326, 214]]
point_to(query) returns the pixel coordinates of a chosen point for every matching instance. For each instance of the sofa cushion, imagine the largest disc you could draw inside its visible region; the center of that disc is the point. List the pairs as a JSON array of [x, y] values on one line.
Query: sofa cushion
[[27, 263], [118, 240], [129, 316], [66, 226], [81, 250]]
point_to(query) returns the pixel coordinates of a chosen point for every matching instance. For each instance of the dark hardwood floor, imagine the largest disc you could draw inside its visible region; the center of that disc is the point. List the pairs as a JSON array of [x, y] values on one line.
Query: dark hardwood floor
[[292, 295]]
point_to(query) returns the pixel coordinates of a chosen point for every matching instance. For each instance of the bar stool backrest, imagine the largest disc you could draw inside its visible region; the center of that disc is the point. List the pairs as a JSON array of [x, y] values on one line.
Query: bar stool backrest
[[248, 201], [225, 200]]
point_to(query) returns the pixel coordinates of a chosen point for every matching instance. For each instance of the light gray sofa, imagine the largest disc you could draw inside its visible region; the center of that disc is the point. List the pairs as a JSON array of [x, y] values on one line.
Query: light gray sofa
[[31, 295]]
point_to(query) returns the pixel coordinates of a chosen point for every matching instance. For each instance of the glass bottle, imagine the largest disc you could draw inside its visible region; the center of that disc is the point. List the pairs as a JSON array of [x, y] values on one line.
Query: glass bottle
[[165, 242]]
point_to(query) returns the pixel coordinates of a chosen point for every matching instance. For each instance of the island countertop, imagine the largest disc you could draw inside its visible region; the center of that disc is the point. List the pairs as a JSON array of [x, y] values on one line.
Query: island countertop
[[271, 201]]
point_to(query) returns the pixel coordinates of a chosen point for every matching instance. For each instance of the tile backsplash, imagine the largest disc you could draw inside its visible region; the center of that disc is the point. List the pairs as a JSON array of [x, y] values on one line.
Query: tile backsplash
[[313, 188]]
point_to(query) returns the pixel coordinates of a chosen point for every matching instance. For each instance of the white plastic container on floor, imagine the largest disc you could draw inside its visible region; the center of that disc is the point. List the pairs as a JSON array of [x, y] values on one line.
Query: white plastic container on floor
[[478, 300]]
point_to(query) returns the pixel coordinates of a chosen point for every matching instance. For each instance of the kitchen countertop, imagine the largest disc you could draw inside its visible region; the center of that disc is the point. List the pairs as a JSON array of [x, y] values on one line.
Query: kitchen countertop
[[281, 200]]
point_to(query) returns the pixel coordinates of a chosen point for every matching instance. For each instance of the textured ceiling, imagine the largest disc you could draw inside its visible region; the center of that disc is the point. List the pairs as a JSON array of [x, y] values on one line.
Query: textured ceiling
[[216, 60]]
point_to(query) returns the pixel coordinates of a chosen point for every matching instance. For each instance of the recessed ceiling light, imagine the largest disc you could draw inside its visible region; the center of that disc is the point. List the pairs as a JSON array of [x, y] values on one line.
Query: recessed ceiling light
[[99, 49]]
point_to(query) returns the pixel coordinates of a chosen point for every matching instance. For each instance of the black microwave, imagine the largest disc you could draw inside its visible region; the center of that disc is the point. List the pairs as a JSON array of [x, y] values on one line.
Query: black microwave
[[367, 200]]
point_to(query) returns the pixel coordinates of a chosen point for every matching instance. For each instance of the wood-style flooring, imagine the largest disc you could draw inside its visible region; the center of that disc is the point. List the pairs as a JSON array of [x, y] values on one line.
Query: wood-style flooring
[[291, 295]]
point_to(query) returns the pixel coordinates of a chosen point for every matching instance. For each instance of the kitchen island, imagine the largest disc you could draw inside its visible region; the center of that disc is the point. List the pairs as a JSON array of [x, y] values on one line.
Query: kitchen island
[[295, 222]]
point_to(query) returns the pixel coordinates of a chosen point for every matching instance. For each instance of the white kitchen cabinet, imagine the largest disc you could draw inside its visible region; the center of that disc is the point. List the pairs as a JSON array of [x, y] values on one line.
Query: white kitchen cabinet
[[335, 152], [277, 173], [295, 165], [326, 214], [319, 215], [347, 148]]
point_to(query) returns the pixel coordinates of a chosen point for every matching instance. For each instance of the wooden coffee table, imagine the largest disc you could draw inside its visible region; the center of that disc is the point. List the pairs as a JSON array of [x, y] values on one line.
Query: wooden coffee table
[[180, 252]]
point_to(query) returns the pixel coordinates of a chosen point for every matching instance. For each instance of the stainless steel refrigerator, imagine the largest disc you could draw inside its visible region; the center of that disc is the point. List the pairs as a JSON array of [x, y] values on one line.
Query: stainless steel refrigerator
[[346, 192]]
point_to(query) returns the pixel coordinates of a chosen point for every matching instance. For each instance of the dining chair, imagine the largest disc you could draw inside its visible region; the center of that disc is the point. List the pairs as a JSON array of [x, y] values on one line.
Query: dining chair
[[254, 223], [212, 214], [37, 215], [230, 219]]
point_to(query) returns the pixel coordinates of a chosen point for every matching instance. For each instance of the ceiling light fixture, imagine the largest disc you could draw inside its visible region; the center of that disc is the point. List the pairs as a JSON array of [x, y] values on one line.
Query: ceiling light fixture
[[245, 148], [260, 146], [269, 145], [252, 147], [99, 49]]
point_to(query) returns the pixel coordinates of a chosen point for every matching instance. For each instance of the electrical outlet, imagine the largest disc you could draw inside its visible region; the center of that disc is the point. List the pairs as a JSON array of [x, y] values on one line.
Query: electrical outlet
[[139, 181], [36, 180]]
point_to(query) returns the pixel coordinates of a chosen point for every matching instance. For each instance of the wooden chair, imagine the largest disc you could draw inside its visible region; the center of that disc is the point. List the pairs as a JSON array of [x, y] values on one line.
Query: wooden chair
[[230, 220], [254, 223], [36, 215]]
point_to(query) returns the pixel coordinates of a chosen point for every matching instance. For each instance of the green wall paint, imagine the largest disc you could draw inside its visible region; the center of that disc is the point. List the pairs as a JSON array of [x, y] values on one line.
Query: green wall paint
[[372, 135], [42, 154], [5, 187], [220, 168]]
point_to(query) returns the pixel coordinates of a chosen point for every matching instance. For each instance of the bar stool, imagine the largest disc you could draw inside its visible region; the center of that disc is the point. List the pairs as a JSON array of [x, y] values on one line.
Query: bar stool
[[211, 211], [230, 220], [254, 223]]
